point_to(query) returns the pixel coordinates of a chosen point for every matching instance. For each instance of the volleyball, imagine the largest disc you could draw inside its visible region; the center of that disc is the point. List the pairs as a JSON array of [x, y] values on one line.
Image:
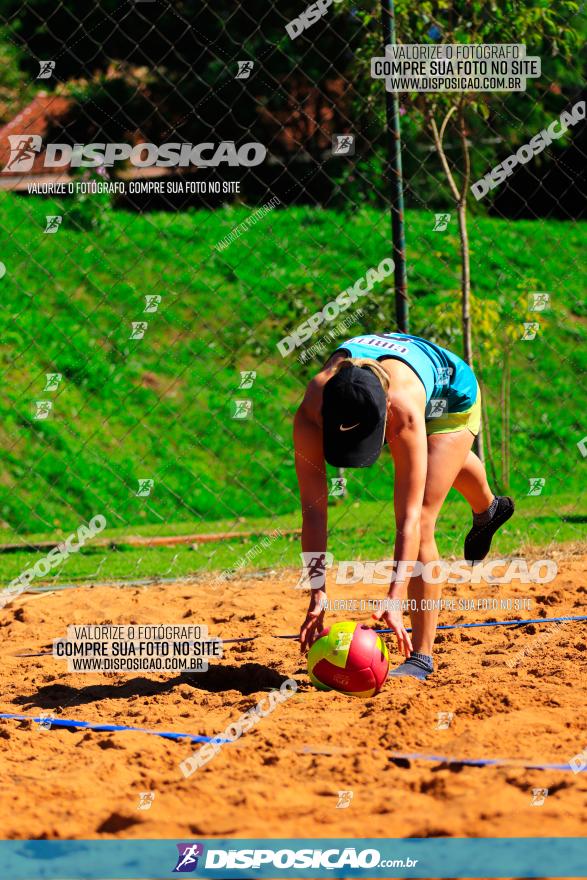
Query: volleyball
[[349, 657]]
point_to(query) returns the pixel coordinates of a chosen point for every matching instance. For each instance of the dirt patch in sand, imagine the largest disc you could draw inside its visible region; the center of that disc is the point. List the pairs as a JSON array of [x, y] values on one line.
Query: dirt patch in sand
[[282, 778]]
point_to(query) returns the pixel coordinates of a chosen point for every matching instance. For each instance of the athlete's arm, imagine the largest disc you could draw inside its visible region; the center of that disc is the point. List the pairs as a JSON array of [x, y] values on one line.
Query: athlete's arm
[[406, 436], [311, 473], [408, 445]]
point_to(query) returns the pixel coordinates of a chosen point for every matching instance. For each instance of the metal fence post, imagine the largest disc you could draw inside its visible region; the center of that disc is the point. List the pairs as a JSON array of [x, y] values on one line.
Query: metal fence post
[[394, 161]]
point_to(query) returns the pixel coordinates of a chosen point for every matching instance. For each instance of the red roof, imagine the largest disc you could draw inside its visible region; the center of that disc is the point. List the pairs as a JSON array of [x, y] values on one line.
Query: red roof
[[38, 118]]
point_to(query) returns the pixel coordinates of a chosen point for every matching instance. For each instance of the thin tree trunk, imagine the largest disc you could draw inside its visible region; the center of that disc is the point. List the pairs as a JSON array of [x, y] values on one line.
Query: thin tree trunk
[[464, 239], [502, 399], [505, 420], [507, 407], [466, 307], [460, 198], [466, 266], [487, 436], [465, 284]]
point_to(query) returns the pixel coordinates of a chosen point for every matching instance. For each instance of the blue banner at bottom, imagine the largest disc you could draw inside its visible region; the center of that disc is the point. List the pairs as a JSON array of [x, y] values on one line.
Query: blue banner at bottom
[[303, 858]]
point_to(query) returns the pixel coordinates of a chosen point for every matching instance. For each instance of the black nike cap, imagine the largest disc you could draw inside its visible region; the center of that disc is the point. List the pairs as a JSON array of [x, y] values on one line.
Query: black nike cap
[[354, 406]]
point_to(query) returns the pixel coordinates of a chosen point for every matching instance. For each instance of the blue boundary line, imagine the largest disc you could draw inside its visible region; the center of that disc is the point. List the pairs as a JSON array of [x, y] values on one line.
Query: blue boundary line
[[502, 623], [401, 756], [483, 623], [90, 725], [472, 762], [484, 762], [445, 759]]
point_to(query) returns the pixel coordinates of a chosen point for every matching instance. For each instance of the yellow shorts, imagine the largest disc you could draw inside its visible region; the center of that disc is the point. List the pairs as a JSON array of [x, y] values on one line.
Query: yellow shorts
[[449, 422]]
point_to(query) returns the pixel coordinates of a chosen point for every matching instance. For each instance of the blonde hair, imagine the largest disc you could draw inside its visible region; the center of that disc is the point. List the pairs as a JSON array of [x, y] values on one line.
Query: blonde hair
[[375, 366]]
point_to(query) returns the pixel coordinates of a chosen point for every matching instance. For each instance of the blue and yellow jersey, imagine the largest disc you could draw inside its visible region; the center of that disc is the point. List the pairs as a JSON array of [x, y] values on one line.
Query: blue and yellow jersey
[[444, 375]]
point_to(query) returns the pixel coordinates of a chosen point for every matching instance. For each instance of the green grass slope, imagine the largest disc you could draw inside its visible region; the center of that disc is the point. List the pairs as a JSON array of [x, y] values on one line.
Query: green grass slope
[[161, 407]]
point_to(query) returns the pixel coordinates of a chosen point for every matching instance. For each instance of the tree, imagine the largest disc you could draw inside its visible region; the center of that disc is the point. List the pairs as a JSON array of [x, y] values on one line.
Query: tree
[[499, 327], [14, 83], [544, 28]]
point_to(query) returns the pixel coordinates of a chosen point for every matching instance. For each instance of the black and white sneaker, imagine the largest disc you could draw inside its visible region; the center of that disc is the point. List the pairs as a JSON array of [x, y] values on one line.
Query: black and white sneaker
[[478, 541]]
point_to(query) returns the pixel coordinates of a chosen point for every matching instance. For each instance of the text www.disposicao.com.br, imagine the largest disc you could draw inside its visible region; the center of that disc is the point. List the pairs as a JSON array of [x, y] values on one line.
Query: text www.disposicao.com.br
[[137, 664]]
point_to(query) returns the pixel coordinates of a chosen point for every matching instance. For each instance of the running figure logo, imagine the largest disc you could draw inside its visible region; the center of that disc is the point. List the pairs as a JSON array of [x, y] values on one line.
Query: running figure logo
[[437, 408], [344, 799], [337, 487], [315, 564], [578, 762], [343, 145], [42, 409], [52, 381], [245, 69], [139, 328], [152, 302], [53, 222], [45, 719], [530, 330], [46, 69], [444, 374], [247, 378], [538, 302], [536, 485], [538, 797], [146, 799], [243, 409], [441, 222], [444, 720], [187, 860], [23, 150]]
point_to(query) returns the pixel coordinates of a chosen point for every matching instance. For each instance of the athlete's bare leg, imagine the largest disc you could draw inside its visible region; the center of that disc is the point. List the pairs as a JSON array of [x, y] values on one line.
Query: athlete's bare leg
[[447, 454], [471, 483], [489, 512]]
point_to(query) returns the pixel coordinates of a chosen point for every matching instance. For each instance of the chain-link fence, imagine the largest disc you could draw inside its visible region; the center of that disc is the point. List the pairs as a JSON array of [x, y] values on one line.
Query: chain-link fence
[[167, 295]]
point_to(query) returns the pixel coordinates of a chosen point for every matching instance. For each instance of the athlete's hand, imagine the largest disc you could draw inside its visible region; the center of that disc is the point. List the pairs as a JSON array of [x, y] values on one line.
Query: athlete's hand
[[394, 619], [314, 622]]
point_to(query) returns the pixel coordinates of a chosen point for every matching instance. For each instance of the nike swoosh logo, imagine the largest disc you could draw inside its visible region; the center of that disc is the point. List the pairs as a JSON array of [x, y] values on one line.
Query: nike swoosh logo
[[350, 428]]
